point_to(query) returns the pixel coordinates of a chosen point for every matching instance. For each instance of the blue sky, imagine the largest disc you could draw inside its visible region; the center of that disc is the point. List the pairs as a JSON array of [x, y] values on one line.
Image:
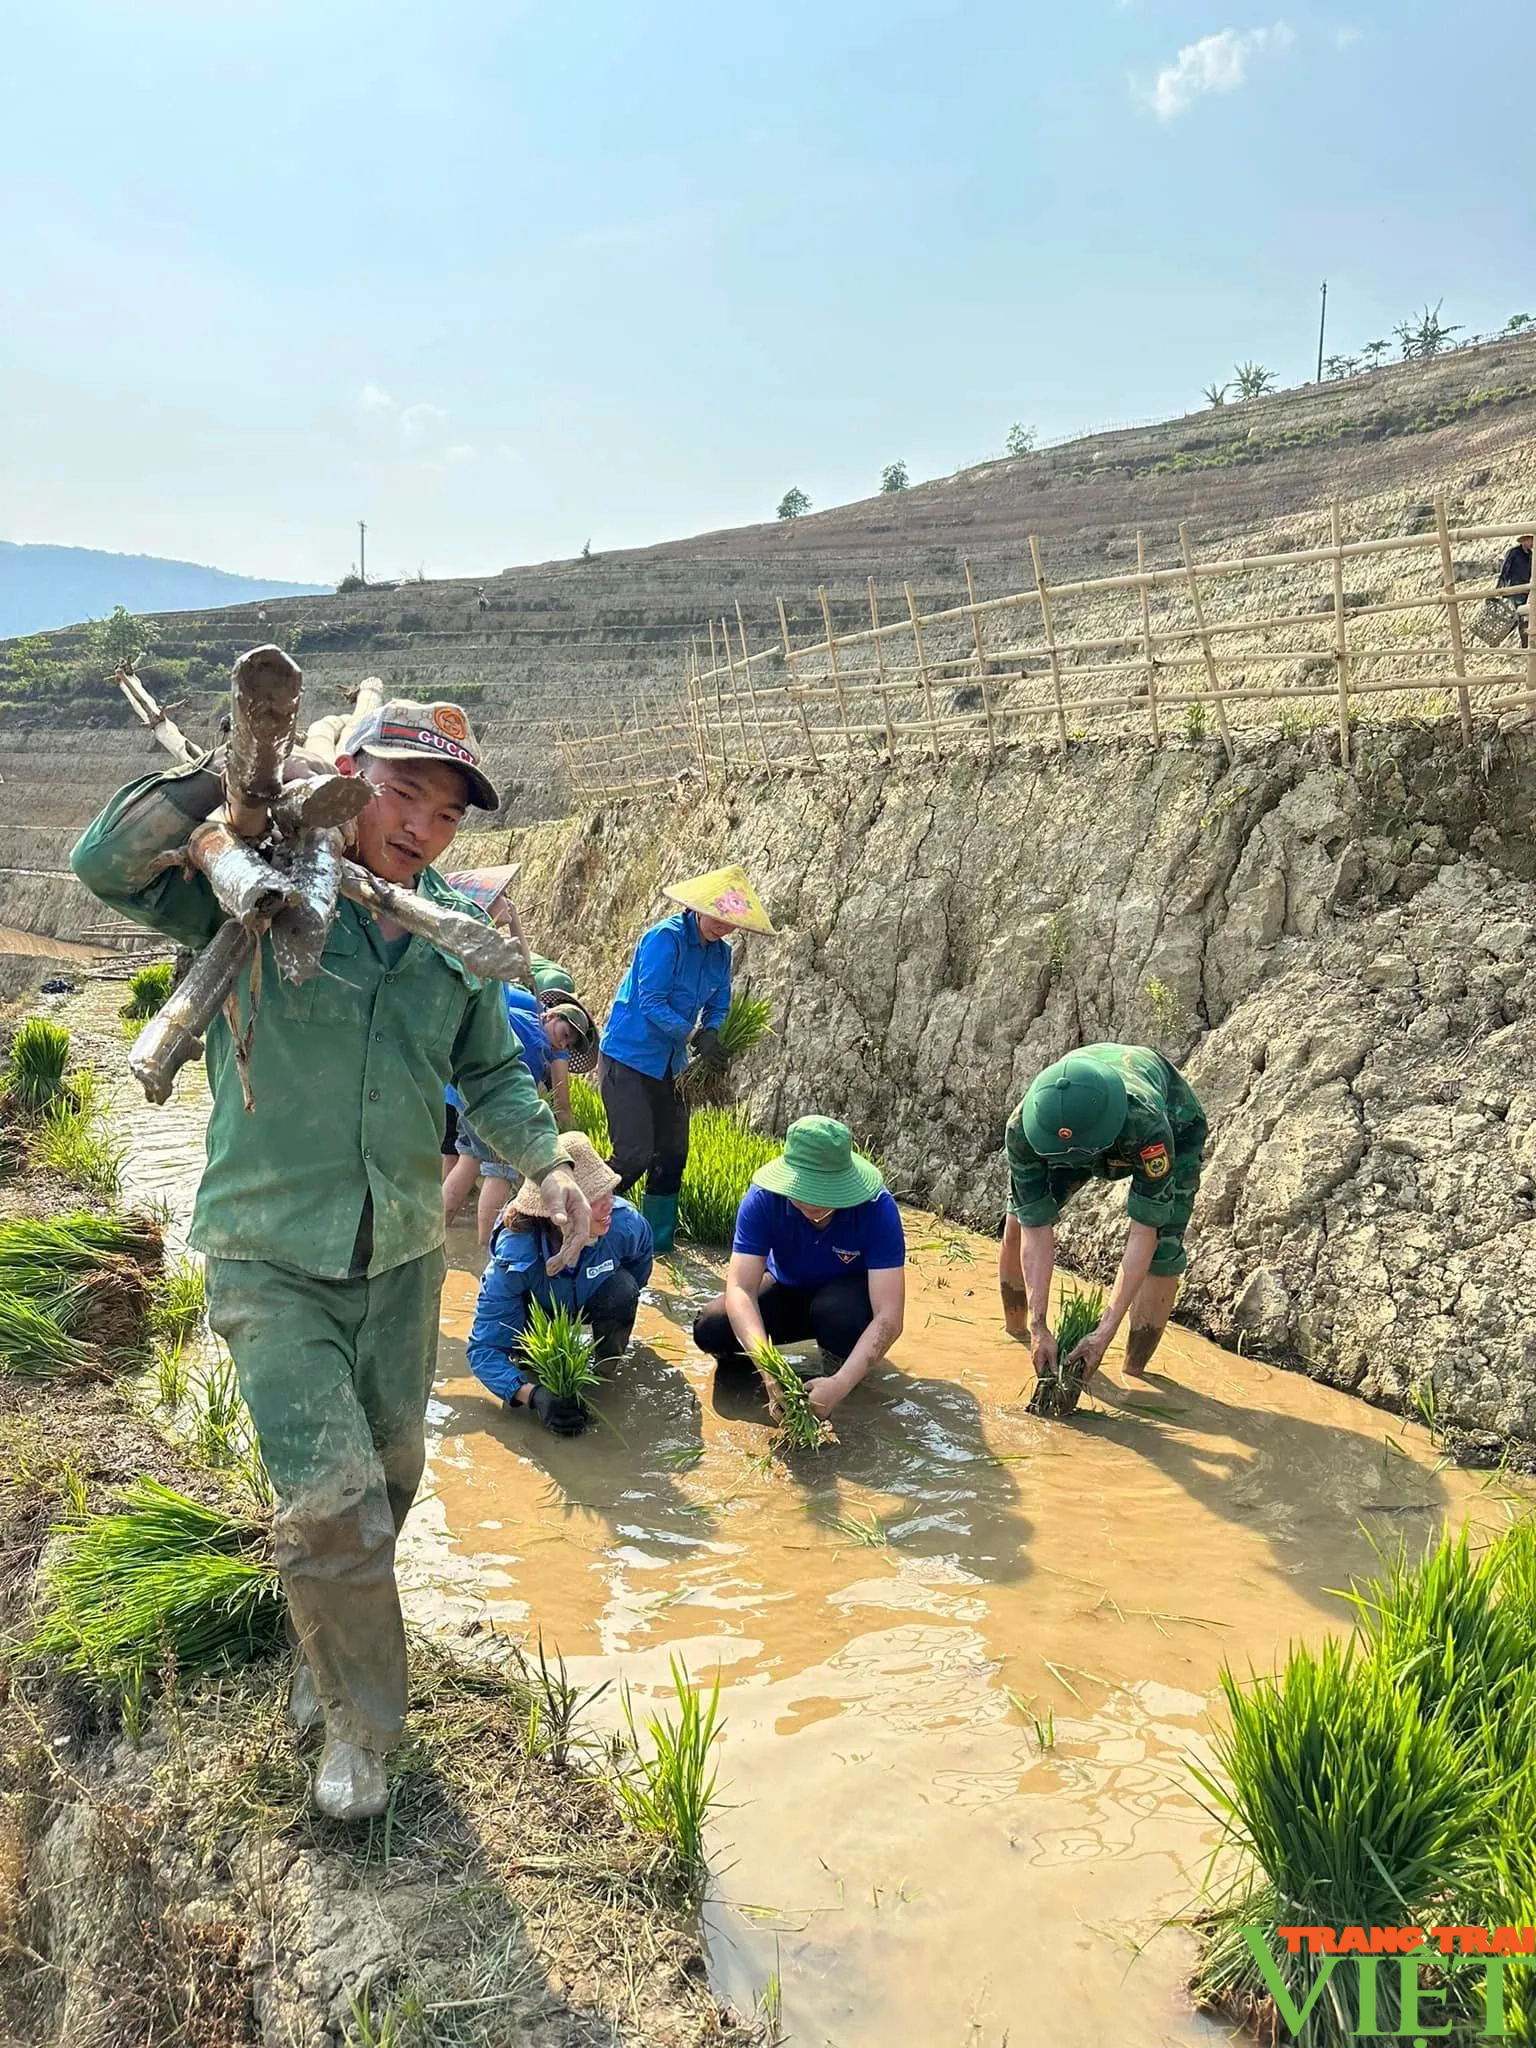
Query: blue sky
[[500, 278]]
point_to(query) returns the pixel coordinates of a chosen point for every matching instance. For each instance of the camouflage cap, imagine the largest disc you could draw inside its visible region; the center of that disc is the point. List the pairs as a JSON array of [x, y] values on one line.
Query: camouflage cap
[[403, 731]]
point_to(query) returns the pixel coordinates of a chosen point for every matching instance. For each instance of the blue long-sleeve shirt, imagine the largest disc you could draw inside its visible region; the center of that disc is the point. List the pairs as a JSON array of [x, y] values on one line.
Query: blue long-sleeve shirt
[[678, 982], [516, 1276]]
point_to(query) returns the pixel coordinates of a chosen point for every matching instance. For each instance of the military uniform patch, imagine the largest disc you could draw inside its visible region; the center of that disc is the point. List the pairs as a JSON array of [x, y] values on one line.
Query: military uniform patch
[[1154, 1161]]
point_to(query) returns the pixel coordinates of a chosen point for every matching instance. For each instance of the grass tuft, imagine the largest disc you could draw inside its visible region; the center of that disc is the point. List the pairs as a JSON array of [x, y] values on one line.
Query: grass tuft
[[164, 1580], [800, 1427], [669, 1791], [555, 1349], [1056, 1394], [72, 1141], [148, 989], [180, 1303], [39, 1054]]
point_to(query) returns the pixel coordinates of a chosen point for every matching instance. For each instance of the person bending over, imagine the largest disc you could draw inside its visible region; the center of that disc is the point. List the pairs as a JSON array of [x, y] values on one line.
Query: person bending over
[[819, 1252], [603, 1289], [549, 1036], [1109, 1112]]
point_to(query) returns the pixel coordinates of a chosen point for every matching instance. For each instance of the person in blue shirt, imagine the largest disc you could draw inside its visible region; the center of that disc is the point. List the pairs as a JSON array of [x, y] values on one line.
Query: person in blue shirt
[[673, 999], [603, 1289], [551, 1038], [819, 1252]]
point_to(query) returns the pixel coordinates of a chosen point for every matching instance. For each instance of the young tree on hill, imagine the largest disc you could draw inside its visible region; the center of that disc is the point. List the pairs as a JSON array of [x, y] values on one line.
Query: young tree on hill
[[1338, 367], [1425, 336], [122, 637], [1373, 352], [1517, 323], [1253, 380], [894, 477], [793, 503], [1216, 394], [1021, 439]]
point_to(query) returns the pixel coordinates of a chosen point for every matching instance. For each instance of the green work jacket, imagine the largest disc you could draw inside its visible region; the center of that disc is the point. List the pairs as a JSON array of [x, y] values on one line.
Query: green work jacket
[[347, 1070], [1158, 1149]]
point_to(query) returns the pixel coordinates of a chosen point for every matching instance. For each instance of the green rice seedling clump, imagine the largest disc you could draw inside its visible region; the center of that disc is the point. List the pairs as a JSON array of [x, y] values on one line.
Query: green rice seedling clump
[[165, 1576], [181, 1302], [724, 1153], [76, 1242], [673, 1784], [555, 1349], [590, 1115], [35, 1345], [1056, 1394], [801, 1428], [148, 988], [72, 1141], [34, 1074], [744, 1027]]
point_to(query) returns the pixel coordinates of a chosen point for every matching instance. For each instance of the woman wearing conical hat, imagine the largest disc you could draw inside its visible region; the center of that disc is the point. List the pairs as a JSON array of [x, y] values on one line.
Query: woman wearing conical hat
[[673, 999]]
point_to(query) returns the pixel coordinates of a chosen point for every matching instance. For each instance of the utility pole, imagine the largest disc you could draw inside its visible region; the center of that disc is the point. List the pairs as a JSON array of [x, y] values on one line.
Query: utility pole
[[1321, 327], [362, 544]]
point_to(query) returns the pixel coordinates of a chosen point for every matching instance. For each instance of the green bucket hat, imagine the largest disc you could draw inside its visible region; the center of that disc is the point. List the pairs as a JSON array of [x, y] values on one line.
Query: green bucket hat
[[819, 1167], [1075, 1106]]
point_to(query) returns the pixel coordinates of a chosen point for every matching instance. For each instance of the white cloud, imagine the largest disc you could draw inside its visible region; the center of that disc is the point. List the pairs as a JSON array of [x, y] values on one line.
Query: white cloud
[[416, 420], [372, 399], [1346, 38], [459, 452], [1216, 63]]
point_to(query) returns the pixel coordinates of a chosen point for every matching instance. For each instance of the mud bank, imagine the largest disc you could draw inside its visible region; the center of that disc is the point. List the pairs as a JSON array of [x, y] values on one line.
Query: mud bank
[[1345, 962]]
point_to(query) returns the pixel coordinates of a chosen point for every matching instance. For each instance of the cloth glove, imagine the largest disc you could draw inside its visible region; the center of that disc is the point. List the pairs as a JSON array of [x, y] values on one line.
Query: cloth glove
[[561, 1413], [709, 1052]]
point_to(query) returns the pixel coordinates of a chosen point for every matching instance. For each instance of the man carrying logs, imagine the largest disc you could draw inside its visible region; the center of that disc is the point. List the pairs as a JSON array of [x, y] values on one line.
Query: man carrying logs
[[340, 996]]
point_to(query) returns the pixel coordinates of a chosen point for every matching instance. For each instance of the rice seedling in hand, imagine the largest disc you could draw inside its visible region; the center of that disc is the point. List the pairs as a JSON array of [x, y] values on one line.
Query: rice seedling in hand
[[1350, 1802], [724, 1153], [672, 1786], [34, 1075], [555, 1350], [164, 1579], [1057, 1393], [801, 1428], [744, 1026], [148, 988]]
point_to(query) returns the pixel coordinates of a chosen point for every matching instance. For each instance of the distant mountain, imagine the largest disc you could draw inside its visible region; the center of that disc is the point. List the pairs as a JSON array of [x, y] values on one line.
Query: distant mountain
[[42, 587]]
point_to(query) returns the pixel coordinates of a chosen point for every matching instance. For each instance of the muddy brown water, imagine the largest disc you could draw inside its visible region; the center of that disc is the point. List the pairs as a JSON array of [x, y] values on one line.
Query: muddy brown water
[[965, 1655]]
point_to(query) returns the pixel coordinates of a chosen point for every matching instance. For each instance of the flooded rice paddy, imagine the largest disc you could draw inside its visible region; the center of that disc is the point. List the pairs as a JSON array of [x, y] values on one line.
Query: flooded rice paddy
[[965, 1655]]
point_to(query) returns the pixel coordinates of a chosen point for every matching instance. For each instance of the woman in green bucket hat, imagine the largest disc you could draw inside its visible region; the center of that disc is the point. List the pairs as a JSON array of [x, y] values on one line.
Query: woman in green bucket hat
[[819, 1252]]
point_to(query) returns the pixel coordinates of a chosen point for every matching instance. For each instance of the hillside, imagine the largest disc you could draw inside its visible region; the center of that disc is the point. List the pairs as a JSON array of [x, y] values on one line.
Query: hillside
[[42, 587], [576, 640]]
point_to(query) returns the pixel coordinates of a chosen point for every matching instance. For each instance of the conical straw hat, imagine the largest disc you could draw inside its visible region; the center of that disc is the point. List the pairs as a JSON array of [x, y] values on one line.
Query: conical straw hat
[[724, 893]]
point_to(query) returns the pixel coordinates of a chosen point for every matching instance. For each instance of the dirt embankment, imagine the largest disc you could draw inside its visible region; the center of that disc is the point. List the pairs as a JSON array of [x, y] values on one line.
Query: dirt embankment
[[1345, 963]]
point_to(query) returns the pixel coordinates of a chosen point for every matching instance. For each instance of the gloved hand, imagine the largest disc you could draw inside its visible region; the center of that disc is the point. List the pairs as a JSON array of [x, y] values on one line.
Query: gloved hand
[[709, 1052], [561, 1413]]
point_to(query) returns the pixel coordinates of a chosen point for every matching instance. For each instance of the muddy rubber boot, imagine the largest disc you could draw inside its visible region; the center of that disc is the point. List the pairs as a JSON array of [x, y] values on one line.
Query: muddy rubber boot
[[350, 1783], [304, 1708], [660, 1211]]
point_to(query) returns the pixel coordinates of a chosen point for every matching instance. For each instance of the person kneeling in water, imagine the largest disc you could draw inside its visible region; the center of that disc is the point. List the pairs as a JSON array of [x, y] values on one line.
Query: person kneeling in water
[[819, 1252], [604, 1288]]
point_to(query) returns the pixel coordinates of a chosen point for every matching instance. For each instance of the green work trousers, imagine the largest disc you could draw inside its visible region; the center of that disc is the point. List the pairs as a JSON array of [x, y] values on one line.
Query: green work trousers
[[336, 1374]]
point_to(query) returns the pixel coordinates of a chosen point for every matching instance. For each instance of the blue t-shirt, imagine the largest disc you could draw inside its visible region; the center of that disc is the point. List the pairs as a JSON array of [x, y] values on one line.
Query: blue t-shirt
[[865, 1239], [527, 1021]]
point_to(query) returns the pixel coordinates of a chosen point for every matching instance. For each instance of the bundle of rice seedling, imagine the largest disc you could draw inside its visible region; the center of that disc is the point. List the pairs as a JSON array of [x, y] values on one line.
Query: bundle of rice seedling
[[75, 1242], [1057, 1393], [165, 1576], [745, 1026], [34, 1075], [148, 988], [801, 1428], [555, 1350], [35, 1345], [86, 1273], [1350, 1803], [724, 1153]]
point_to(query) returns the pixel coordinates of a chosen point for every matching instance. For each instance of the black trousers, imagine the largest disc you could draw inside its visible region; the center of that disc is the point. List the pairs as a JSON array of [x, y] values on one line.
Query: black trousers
[[611, 1313], [647, 1127], [836, 1315]]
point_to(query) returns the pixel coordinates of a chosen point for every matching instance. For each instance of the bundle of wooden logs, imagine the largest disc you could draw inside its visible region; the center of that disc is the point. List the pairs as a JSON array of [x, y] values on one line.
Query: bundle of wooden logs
[[273, 857]]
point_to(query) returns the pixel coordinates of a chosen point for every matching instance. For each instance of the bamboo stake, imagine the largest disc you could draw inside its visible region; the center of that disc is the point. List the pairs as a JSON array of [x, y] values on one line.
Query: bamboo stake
[[885, 701], [922, 670], [1146, 640], [714, 670], [794, 686], [842, 709], [1341, 635], [757, 716], [1453, 615], [1205, 639], [981, 657], [1050, 641], [741, 723]]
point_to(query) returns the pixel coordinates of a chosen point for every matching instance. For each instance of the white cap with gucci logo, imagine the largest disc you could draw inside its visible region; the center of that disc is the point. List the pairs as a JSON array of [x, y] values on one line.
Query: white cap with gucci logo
[[403, 731]]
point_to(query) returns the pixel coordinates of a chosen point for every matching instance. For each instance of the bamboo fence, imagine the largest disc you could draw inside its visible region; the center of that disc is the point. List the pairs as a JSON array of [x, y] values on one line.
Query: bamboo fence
[[1188, 650]]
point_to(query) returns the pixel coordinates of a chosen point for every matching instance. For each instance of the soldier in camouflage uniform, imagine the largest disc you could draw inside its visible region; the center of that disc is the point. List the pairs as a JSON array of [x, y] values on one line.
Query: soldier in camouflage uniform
[[1108, 1112]]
